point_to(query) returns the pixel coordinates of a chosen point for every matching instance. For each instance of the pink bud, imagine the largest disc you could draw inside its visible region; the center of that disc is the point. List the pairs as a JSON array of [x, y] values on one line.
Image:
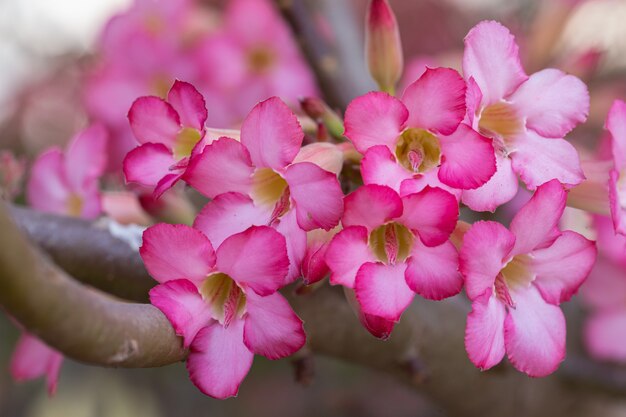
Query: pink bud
[[383, 46]]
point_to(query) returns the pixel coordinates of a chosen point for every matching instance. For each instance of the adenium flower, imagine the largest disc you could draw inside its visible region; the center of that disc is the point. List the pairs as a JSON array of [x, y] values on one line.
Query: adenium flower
[[224, 302], [420, 140], [616, 124], [516, 278], [67, 183], [392, 247], [169, 132], [526, 116], [33, 359]]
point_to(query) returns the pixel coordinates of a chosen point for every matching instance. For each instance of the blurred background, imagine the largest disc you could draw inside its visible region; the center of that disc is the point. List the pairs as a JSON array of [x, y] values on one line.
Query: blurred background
[[66, 63]]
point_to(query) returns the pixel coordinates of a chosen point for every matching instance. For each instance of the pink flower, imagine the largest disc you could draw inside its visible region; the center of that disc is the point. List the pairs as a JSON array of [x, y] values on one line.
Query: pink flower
[[420, 140], [392, 247], [67, 183], [169, 133], [223, 303], [517, 278], [616, 124], [527, 117], [264, 166], [33, 359]]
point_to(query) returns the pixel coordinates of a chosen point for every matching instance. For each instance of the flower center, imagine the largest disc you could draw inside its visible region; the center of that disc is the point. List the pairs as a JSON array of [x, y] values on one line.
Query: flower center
[[391, 242], [224, 296], [418, 150], [261, 59], [515, 275], [185, 141], [74, 205], [500, 119], [270, 190]]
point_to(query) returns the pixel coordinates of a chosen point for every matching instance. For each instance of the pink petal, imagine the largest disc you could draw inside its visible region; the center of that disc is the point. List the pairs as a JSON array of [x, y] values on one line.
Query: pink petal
[[492, 58], [468, 160], [228, 214], [432, 213], [148, 164], [371, 206], [296, 244], [427, 179], [484, 333], [436, 101], [473, 100], [256, 258], [167, 182], [272, 134], [314, 266], [86, 156], [379, 327], [618, 214], [375, 119], [382, 290], [500, 189], [272, 329], [183, 306], [538, 160], [223, 166], [561, 268], [346, 253], [433, 272], [48, 189], [606, 286], [552, 102], [176, 251], [536, 224], [154, 120], [604, 335], [219, 360], [305, 180], [189, 104], [534, 334], [379, 166], [327, 156], [486, 247], [616, 124], [32, 359]]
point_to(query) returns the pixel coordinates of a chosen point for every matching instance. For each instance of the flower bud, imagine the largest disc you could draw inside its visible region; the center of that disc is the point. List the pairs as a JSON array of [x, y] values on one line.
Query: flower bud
[[383, 46], [319, 111]]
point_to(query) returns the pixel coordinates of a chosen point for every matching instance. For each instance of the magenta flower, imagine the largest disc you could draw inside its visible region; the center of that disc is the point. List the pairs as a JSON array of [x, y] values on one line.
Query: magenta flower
[[169, 133], [223, 303], [517, 278], [33, 359], [263, 166], [421, 137], [527, 117], [616, 124], [392, 247], [67, 183]]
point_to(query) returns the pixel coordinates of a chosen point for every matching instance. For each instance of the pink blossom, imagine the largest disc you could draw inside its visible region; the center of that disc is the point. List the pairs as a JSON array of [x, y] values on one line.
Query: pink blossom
[[527, 117], [169, 133], [616, 124], [67, 183], [516, 278], [223, 303], [33, 359], [420, 140], [392, 247]]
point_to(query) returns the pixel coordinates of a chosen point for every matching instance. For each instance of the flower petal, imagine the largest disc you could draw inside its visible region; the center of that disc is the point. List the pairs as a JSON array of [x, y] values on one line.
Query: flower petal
[[176, 251], [223, 166], [154, 120], [48, 189], [379, 166], [552, 102], [272, 134], [327, 156], [382, 290], [371, 206], [256, 258], [189, 104], [468, 159], [86, 156], [618, 214], [486, 247], [484, 332], [346, 253], [375, 119], [433, 272], [148, 164], [305, 180], [32, 359], [534, 334], [500, 189], [432, 213], [219, 360], [379, 327], [616, 124], [296, 244], [604, 335], [183, 306], [272, 329], [492, 58], [436, 101]]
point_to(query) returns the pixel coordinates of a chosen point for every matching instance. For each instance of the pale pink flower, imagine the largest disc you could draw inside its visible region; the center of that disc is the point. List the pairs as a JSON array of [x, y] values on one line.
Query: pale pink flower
[[527, 117], [392, 247], [68, 183], [420, 140], [34, 359], [223, 303], [516, 278], [616, 124], [169, 132]]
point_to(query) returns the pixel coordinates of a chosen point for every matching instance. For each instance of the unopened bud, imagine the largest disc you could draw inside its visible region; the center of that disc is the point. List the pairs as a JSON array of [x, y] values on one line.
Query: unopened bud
[[319, 111], [383, 46]]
